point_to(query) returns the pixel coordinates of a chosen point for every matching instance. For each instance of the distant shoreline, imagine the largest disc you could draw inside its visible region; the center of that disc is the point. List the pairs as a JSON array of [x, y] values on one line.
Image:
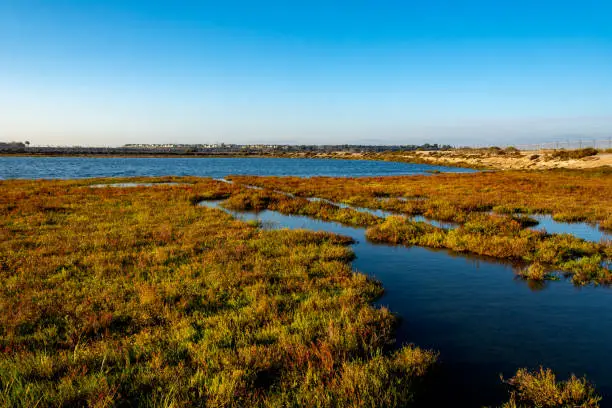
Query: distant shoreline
[[483, 159], [141, 155]]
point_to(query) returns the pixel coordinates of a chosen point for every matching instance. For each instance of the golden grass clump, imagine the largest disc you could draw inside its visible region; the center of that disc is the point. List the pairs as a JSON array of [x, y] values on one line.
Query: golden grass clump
[[535, 272], [542, 390]]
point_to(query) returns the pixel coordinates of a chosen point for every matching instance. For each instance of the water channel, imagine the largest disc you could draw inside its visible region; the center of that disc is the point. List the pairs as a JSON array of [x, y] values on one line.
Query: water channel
[[482, 319]]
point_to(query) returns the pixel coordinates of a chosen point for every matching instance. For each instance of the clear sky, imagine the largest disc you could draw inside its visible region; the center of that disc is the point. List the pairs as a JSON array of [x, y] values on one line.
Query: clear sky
[[111, 72]]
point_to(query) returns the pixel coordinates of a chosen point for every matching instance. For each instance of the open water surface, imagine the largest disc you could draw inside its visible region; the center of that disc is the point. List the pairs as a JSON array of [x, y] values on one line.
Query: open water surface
[[82, 167]]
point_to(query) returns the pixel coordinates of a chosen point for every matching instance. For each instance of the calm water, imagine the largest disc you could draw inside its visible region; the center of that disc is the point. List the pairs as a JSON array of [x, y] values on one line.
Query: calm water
[[81, 167], [586, 231], [483, 320]]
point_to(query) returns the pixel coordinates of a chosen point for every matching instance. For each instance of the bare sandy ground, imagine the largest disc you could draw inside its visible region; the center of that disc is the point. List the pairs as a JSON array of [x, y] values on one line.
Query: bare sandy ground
[[536, 160], [531, 160]]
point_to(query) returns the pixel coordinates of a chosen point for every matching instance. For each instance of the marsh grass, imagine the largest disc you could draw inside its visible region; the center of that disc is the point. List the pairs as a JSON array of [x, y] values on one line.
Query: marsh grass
[[468, 200], [493, 235], [567, 194], [258, 200], [542, 390], [504, 238], [138, 297]]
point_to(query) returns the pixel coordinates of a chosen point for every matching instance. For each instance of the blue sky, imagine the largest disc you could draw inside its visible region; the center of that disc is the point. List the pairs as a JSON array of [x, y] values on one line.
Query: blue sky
[[373, 72]]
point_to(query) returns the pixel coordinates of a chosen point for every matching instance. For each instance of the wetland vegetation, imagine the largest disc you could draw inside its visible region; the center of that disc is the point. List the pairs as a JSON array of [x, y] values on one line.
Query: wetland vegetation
[[541, 389], [137, 296], [569, 195], [491, 211], [141, 298]]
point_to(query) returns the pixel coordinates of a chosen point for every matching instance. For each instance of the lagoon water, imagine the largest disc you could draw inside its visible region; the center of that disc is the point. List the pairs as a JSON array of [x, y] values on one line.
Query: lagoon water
[[481, 318], [82, 167]]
